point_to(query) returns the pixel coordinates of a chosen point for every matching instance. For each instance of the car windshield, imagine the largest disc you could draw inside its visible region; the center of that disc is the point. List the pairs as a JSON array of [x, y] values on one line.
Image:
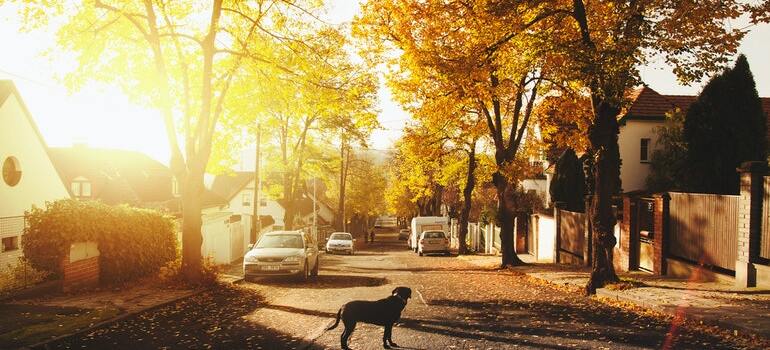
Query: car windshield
[[341, 237], [280, 241], [433, 234]]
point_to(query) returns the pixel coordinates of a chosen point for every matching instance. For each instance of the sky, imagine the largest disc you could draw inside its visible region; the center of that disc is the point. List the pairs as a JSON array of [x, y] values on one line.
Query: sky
[[102, 117]]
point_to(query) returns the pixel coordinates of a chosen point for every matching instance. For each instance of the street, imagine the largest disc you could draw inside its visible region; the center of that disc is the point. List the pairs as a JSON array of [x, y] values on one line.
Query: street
[[455, 305]]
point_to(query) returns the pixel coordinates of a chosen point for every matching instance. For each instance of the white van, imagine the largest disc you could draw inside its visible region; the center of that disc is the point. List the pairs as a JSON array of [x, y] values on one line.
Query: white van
[[426, 223]]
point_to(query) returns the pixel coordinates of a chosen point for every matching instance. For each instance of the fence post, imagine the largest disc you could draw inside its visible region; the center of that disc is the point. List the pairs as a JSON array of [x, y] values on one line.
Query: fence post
[[587, 236], [557, 238], [534, 232], [749, 221], [625, 234], [660, 231]]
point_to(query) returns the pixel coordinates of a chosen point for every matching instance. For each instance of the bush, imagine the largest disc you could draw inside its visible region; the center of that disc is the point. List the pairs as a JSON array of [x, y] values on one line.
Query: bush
[[132, 242], [19, 276]]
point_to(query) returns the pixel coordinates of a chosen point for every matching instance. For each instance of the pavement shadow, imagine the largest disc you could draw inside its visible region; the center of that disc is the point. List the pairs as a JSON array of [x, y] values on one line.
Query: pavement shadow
[[215, 319], [324, 281], [499, 320]]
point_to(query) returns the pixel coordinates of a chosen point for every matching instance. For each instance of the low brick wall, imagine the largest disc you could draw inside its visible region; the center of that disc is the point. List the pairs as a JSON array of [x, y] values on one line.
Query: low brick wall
[[80, 268]]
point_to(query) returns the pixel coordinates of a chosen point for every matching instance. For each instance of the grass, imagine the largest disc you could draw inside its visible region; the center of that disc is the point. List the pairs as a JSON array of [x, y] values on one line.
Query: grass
[[32, 323]]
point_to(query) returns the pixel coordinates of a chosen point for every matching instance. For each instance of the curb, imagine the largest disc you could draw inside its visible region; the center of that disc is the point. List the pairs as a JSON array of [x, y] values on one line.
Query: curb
[[42, 344]]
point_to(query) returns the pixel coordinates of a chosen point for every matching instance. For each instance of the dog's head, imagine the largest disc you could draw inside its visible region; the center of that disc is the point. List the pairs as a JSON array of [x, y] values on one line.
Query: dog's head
[[403, 292]]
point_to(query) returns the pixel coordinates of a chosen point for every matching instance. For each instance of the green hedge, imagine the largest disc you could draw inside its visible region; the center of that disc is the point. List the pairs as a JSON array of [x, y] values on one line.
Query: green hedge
[[132, 242]]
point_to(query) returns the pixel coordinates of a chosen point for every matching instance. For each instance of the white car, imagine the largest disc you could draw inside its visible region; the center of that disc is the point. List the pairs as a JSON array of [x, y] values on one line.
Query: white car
[[433, 242], [340, 242]]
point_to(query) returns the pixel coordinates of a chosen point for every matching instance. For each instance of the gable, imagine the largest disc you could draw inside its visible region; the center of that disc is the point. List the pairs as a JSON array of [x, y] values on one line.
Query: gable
[[19, 138]]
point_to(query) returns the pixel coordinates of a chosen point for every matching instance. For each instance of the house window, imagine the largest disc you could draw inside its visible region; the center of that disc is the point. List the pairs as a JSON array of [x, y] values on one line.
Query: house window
[[262, 203], [644, 148], [10, 243], [11, 171], [81, 187], [175, 187], [246, 199]]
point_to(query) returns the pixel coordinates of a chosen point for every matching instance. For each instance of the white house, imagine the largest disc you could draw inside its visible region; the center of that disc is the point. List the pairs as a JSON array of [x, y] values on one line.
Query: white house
[[638, 137], [29, 177]]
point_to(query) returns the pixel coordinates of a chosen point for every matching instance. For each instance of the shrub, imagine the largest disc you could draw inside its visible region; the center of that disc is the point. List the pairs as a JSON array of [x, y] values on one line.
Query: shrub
[[19, 276], [132, 242]]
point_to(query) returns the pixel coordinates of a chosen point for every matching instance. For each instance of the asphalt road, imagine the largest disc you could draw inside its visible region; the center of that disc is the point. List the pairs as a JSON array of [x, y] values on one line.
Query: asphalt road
[[455, 306]]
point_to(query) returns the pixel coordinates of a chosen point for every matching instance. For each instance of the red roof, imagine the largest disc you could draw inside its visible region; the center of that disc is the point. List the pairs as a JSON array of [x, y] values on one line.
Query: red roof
[[648, 104]]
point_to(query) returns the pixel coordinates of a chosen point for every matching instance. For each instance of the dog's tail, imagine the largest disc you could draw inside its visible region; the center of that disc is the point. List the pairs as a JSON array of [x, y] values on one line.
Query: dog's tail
[[336, 322]]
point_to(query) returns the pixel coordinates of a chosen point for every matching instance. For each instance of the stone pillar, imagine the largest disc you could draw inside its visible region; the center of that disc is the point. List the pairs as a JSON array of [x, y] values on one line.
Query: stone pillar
[[749, 221], [587, 233], [557, 238], [626, 227], [80, 267], [660, 232]]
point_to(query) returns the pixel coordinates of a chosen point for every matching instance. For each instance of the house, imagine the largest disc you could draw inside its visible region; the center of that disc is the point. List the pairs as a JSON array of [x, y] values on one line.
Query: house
[[115, 176], [637, 138], [29, 177], [237, 189]]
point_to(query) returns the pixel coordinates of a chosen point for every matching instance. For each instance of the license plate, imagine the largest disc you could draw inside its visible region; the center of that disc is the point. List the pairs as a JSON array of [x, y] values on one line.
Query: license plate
[[271, 267]]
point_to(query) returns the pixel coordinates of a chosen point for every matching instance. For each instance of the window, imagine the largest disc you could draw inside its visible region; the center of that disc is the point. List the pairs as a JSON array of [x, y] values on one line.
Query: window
[[81, 187], [644, 149], [11, 171], [246, 199], [262, 203], [10, 243]]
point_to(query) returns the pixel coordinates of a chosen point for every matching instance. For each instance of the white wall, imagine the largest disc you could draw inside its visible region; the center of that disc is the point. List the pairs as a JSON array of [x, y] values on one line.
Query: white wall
[[39, 180], [545, 237], [540, 186], [633, 173]]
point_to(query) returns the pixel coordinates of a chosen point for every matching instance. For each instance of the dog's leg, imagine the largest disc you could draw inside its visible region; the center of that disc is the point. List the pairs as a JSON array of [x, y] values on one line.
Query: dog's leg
[[349, 328], [387, 342]]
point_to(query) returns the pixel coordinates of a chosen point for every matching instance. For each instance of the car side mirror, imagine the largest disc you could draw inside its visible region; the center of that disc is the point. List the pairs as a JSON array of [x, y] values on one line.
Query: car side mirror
[[251, 246]]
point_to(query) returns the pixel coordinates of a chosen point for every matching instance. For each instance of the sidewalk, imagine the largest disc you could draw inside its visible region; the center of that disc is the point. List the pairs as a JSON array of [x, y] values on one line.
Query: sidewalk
[[743, 310], [37, 321]]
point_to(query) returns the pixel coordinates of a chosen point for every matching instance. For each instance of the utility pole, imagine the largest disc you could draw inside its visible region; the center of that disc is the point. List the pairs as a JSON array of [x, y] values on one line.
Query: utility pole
[[256, 223], [315, 211]]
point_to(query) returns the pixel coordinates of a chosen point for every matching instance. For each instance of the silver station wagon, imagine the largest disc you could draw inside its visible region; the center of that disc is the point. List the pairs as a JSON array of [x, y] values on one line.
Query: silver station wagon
[[291, 253]]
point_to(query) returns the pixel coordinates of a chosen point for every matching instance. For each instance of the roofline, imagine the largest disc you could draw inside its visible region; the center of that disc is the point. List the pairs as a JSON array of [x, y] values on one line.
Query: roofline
[[32, 123]]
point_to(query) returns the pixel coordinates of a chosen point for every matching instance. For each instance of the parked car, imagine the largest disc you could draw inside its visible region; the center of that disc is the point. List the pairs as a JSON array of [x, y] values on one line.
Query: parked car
[[433, 242], [291, 253], [340, 242], [403, 234]]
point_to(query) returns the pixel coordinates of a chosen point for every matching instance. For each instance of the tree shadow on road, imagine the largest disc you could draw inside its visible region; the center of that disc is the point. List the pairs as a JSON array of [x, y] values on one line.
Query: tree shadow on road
[[511, 321], [214, 319]]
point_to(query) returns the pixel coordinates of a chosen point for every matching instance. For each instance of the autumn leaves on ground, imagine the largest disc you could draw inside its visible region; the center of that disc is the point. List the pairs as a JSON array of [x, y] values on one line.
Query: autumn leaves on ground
[[456, 305]]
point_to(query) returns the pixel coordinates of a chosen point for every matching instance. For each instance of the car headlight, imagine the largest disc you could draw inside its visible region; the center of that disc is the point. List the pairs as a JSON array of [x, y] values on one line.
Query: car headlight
[[291, 259], [251, 258]]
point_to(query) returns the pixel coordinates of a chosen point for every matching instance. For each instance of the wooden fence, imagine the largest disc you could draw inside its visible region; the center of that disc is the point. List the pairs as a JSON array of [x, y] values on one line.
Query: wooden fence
[[704, 228], [572, 232]]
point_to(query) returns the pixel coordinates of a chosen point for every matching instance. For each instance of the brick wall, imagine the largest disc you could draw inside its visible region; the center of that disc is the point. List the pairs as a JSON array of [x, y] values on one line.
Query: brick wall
[[660, 212], [80, 268]]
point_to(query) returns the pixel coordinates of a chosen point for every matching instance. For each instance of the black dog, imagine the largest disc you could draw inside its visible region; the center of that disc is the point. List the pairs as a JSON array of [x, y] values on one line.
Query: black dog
[[383, 312]]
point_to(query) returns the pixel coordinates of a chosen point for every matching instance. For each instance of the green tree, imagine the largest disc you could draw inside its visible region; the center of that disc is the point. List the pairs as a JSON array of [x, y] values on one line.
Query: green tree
[[668, 164], [724, 127], [568, 184]]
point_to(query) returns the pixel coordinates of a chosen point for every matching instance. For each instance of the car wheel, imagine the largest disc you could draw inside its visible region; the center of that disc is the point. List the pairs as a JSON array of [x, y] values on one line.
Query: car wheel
[[314, 273], [447, 253], [420, 253]]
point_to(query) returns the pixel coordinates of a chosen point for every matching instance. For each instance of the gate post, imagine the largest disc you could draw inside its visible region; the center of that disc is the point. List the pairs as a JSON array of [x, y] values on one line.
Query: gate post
[[625, 234], [587, 233], [749, 221], [557, 238], [660, 232]]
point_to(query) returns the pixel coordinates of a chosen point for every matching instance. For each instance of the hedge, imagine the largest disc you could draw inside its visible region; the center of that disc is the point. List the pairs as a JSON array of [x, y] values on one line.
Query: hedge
[[132, 242]]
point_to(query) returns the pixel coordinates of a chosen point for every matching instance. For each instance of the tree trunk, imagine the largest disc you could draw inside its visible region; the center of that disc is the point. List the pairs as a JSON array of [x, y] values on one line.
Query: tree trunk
[[192, 240], [470, 183], [603, 136], [505, 215]]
